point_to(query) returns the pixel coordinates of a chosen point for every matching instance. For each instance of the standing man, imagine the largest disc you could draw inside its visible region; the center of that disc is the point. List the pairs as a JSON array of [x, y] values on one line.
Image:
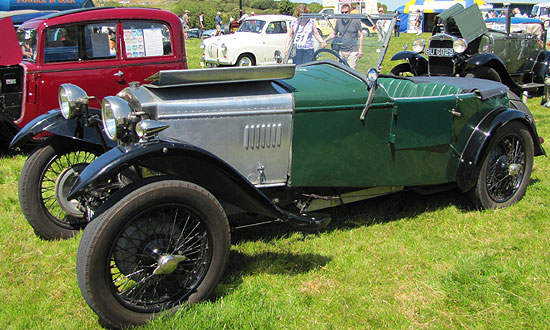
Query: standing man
[[349, 31], [244, 15], [185, 19], [219, 22], [201, 24]]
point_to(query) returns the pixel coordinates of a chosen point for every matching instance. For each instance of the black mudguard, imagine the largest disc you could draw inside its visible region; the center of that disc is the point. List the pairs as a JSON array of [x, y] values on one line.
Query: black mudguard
[[193, 164], [54, 123], [417, 62], [472, 156], [7, 131]]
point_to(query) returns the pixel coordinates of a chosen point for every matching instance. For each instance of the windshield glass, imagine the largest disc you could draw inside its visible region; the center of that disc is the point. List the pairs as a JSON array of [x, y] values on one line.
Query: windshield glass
[[252, 25], [355, 40], [27, 41]]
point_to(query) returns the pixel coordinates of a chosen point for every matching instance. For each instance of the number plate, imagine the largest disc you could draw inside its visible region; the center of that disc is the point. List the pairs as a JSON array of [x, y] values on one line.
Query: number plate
[[440, 52]]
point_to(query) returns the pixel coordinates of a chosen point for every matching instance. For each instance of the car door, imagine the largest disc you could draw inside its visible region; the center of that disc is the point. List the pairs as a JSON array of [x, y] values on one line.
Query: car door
[[148, 47], [86, 55], [402, 140], [274, 38]]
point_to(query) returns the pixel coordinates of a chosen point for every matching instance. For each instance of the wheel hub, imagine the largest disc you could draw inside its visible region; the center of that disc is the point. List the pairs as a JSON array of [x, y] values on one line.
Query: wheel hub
[[514, 169], [168, 263], [63, 186]]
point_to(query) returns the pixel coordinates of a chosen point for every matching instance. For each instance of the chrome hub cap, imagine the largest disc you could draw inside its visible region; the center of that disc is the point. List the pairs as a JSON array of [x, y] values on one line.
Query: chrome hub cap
[[168, 263], [63, 186]]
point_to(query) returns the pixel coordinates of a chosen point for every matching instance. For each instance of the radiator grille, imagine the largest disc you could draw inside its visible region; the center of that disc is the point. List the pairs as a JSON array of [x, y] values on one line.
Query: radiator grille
[[441, 65]]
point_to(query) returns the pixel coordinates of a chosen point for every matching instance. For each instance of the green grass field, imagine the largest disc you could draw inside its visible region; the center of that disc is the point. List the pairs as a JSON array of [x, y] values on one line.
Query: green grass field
[[402, 261]]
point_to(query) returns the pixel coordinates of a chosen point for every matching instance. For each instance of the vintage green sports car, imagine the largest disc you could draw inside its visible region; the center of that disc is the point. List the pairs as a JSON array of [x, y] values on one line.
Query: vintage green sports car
[[279, 142]]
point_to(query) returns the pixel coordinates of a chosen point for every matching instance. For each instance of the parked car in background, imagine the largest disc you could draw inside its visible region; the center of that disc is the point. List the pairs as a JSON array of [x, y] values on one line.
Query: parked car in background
[[511, 51], [254, 43], [279, 142], [101, 48], [208, 33], [193, 33]]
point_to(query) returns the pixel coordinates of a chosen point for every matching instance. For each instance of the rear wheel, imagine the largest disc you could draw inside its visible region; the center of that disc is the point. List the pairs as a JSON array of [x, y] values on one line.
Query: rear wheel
[[246, 60], [506, 168], [162, 245], [44, 184]]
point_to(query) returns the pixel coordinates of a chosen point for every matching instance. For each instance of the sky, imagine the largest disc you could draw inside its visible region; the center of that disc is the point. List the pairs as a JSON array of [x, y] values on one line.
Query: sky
[[391, 4]]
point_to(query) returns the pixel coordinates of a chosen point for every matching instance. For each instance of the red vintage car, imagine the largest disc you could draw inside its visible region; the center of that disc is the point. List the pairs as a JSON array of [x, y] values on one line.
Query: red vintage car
[[100, 49]]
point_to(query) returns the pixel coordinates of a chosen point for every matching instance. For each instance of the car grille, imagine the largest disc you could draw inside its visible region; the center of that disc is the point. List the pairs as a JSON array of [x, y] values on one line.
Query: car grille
[[11, 86], [440, 65], [212, 51]]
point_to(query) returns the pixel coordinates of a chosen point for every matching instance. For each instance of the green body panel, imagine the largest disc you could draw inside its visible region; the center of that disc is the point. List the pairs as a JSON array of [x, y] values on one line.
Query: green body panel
[[469, 21], [518, 51], [424, 128], [332, 147], [332, 88]]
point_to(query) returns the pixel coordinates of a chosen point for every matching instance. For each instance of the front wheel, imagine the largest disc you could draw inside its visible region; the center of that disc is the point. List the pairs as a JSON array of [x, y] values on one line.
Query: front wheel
[[164, 244], [506, 168], [44, 183], [246, 60], [484, 73]]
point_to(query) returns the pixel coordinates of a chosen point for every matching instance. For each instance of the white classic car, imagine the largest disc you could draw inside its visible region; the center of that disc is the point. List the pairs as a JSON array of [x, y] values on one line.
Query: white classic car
[[254, 43]]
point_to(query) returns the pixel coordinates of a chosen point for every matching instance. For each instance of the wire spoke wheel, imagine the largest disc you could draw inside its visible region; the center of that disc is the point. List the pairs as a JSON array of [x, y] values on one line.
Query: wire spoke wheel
[[159, 258], [506, 168], [44, 184], [161, 245], [55, 183]]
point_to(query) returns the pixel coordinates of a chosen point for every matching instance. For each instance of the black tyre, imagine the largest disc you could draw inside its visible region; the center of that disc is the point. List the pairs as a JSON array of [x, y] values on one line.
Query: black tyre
[[44, 183], [505, 169], [164, 244], [403, 69], [517, 103], [328, 54], [484, 72], [246, 60]]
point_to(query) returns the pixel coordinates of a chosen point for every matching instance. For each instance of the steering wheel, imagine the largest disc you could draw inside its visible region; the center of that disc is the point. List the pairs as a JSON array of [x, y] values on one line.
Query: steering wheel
[[330, 51]]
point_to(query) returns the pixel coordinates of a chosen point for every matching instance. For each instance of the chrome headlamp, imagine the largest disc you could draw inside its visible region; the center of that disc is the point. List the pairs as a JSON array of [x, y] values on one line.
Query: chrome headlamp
[[202, 45], [115, 113], [418, 45], [223, 48], [460, 45], [73, 100]]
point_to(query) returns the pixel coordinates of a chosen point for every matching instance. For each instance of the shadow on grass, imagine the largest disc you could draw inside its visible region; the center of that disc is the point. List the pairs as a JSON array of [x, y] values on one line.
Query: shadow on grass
[[384, 209]]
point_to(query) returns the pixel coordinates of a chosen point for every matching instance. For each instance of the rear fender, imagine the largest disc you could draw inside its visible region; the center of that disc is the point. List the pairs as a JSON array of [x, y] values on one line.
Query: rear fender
[[541, 67], [192, 164], [53, 122], [472, 156], [418, 63]]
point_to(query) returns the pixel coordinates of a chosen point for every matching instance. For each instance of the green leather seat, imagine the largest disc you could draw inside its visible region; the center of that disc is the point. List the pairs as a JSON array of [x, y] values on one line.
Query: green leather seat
[[400, 88]]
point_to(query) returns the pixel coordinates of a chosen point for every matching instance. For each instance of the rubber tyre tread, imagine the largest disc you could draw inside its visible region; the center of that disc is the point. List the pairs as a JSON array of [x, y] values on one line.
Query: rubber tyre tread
[[95, 245], [29, 195], [517, 103], [478, 194], [485, 72]]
